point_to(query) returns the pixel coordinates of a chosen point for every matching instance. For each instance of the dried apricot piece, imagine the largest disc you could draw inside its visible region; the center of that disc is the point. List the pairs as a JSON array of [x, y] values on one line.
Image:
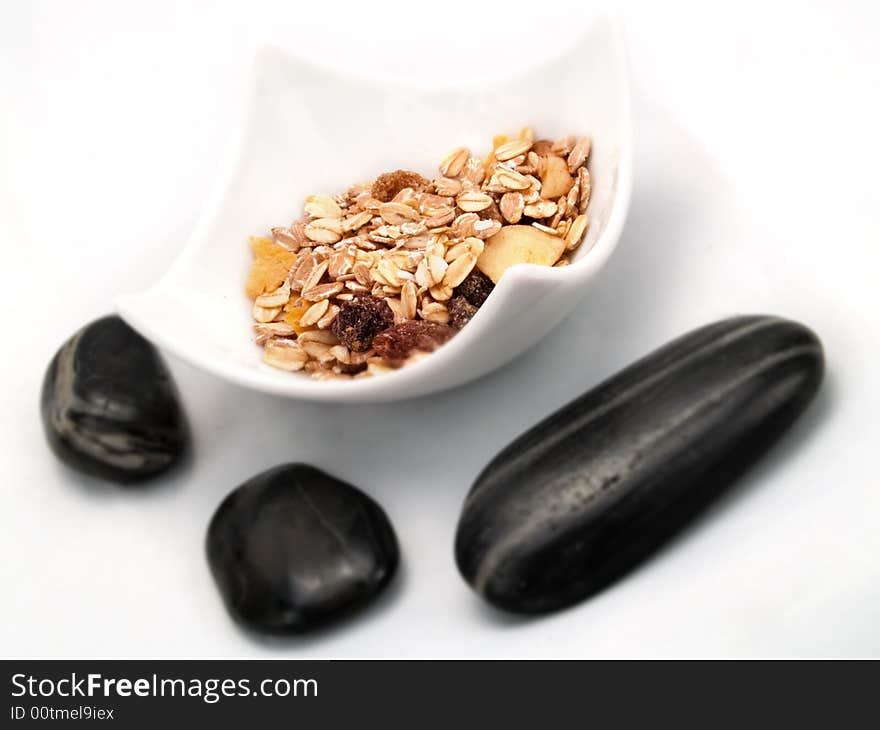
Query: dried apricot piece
[[294, 311], [270, 267]]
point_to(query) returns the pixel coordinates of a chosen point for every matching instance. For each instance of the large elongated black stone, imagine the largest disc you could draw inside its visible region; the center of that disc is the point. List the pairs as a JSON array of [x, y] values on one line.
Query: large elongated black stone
[[586, 494], [294, 547], [109, 405]]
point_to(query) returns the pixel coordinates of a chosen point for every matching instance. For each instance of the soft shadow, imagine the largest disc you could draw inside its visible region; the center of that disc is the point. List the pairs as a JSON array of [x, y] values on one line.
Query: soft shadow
[[349, 621], [759, 476], [99, 489]]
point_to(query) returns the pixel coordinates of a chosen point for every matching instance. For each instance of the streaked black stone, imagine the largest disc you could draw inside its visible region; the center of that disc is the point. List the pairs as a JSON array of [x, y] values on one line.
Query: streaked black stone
[[582, 497], [294, 547], [109, 405]]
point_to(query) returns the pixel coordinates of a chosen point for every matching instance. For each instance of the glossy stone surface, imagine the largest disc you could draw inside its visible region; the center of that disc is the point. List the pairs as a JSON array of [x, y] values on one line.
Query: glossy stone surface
[[109, 405], [585, 495], [294, 547]]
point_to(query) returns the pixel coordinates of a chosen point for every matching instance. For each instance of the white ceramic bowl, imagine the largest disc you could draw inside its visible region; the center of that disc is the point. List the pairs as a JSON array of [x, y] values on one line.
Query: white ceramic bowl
[[291, 147]]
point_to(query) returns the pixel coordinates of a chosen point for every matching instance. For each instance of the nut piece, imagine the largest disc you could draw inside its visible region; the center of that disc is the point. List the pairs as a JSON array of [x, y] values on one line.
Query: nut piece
[[519, 245], [555, 180]]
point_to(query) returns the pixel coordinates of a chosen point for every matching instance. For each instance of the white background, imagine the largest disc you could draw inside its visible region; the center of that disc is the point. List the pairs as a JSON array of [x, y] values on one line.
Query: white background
[[757, 190]]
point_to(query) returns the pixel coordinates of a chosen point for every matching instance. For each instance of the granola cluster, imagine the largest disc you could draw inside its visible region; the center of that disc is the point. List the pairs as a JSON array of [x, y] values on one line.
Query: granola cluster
[[374, 277]]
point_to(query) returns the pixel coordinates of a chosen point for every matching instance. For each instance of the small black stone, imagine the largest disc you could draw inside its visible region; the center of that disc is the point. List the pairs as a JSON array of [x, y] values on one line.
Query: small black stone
[[294, 547], [109, 405], [581, 498]]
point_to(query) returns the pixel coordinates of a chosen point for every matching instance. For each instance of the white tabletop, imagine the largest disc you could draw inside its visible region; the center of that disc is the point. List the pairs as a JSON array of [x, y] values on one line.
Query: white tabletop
[[756, 191]]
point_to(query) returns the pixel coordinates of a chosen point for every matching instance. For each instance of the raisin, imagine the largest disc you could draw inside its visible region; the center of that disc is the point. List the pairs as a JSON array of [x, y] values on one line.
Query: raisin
[[390, 184], [460, 311], [476, 288], [401, 340], [352, 369], [359, 320]]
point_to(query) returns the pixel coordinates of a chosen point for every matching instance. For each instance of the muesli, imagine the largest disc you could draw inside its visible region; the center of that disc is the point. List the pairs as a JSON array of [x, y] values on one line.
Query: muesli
[[370, 279]]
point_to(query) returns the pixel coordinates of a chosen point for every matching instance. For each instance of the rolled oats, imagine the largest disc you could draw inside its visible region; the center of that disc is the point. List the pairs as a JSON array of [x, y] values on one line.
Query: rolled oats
[[473, 201], [454, 162], [322, 206], [284, 354], [512, 206], [324, 230], [401, 255], [314, 313]]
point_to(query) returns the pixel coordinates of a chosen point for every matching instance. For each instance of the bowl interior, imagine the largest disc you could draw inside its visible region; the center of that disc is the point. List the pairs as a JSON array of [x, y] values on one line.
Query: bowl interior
[[313, 130]]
